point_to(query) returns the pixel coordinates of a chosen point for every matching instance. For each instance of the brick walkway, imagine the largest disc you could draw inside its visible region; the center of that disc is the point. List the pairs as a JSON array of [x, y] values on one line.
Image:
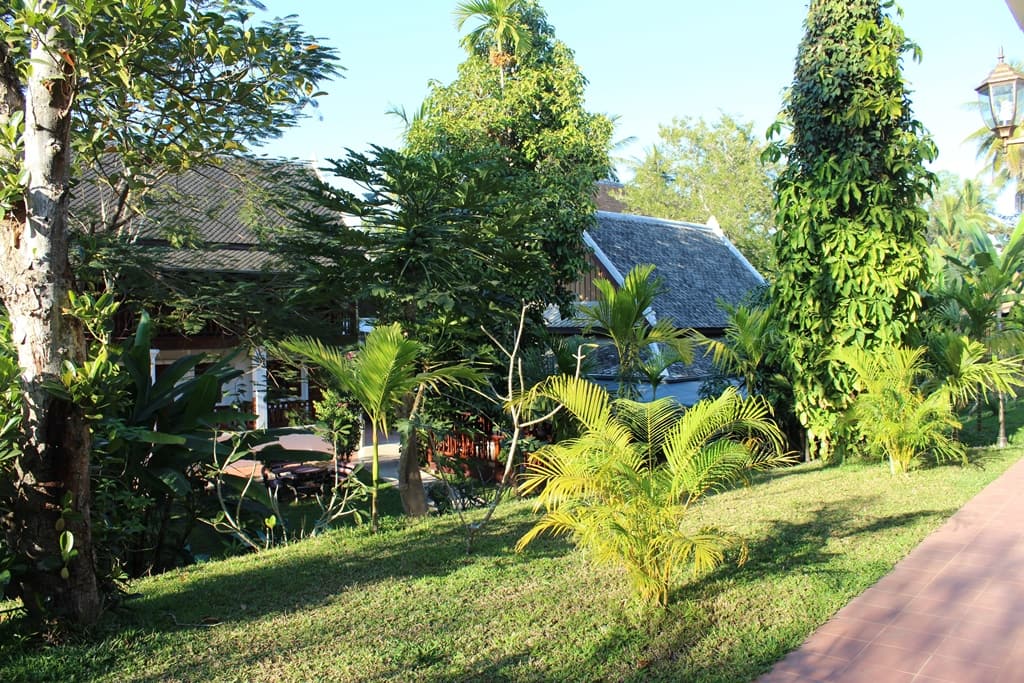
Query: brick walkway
[[952, 610]]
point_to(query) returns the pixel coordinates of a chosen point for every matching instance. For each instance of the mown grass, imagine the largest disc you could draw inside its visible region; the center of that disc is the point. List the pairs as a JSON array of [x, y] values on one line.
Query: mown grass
[[410, 605]]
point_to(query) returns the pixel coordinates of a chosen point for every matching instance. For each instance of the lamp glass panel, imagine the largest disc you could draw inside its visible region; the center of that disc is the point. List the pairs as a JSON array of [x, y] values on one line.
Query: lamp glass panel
[[1004, 103]]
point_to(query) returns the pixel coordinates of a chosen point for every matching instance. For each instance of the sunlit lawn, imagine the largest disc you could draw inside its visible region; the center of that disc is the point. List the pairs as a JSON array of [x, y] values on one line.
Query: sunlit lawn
[[410, 605]]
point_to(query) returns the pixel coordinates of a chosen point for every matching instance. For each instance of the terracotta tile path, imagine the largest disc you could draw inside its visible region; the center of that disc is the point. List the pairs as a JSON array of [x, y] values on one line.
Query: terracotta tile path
[[952, 610]]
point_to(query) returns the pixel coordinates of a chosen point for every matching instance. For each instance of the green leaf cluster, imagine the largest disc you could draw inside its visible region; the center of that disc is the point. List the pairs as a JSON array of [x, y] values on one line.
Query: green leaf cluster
[[531, 119], [623, 487], [851, 240]]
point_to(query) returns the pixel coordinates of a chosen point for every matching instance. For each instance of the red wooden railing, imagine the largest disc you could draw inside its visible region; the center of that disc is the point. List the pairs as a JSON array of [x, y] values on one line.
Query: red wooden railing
[[472, 446]]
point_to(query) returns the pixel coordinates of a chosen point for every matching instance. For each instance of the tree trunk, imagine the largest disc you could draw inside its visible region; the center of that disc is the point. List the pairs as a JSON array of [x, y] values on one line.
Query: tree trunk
[[410, 483], [52, 473], [1001, 442]]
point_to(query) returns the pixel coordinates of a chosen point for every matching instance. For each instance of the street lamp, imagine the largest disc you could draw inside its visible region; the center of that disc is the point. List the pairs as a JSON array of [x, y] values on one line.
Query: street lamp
[[1000, 97]]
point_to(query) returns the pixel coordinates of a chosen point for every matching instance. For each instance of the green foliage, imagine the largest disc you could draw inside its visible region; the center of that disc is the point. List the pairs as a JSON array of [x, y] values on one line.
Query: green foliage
[[380, 376], [750, 337], [899, 419], [967, 369], [622, 314], [530, 116], [149, 440], [446, 255], [339, 421], [957, 207], [851, 239], [701, 169], [615, 495], [500, 33]]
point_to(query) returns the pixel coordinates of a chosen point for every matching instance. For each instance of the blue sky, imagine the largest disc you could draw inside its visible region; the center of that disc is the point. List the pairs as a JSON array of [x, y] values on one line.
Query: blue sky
[[647, 61]]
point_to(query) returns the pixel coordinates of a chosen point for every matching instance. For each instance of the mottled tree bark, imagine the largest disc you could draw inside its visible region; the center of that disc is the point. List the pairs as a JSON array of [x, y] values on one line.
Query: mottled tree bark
[[35, 277]]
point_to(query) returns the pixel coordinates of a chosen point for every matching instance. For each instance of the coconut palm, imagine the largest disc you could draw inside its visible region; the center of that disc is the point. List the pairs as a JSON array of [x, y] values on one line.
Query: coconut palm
[[897, 417], [500, 33], [625, 315], [381, 375], [607, 489]]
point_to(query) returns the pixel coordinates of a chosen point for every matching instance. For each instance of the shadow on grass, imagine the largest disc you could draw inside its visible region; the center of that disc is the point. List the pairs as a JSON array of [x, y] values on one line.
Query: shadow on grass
[[299, 577], [787, 549]]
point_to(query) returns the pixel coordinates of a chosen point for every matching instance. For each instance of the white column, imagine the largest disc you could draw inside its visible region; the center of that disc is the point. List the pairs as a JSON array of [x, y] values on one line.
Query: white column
[[259, 386], [153, 353], [304, 382]]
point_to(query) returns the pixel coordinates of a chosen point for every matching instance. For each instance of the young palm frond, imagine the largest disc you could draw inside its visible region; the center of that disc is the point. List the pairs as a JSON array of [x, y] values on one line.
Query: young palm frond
[[649, 422], [898, 419], [379, 376], [624, 506], [965, 367]]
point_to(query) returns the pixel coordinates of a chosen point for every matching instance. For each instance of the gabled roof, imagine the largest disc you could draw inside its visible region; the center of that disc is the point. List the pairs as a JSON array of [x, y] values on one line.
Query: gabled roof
[[698, 264]]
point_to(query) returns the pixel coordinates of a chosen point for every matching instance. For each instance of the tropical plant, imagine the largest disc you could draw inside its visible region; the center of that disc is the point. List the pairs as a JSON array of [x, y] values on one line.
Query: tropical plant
[[983, 283], [621, 501], [339, 422], [968, 369], [959, 205], [899, 418], [533, 121], [205, 81], [501, 33], [850, 244], [625, 315], [381, 375], [744, 351]]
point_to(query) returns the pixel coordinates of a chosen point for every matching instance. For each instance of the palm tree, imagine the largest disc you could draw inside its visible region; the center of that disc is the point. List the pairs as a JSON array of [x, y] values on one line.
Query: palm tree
[[750, 337], [624, 486], [981, 285], [381, 375], [958, 207], [892, 411], [625, 315], [500, 32]]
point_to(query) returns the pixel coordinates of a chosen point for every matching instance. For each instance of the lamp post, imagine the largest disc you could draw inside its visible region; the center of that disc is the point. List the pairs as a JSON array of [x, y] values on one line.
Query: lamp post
[[1000, 97]]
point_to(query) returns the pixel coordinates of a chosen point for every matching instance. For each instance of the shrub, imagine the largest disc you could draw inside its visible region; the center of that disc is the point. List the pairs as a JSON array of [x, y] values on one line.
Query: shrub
[[623, 496]]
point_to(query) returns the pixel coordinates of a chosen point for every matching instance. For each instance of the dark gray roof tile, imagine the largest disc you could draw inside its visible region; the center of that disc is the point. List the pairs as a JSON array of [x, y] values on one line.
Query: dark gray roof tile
[[698, 264]]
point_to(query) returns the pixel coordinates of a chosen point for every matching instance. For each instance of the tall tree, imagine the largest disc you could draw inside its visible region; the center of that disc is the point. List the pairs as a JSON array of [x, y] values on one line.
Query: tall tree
[[532, 120], [851, 240], [161, 85], [701, 169]]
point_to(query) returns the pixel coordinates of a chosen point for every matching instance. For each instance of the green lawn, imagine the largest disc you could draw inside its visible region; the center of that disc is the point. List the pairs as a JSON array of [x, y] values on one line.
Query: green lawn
[[409, 605]]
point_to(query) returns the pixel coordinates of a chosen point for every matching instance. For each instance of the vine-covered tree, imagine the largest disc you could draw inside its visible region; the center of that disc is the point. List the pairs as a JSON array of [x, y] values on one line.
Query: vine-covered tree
[[157, 86], [701, 169], [851, 239]]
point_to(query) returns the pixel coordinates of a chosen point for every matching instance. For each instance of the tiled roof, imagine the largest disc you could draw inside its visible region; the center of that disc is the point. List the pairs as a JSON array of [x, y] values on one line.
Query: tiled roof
[[221, 208], [698, 264]]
